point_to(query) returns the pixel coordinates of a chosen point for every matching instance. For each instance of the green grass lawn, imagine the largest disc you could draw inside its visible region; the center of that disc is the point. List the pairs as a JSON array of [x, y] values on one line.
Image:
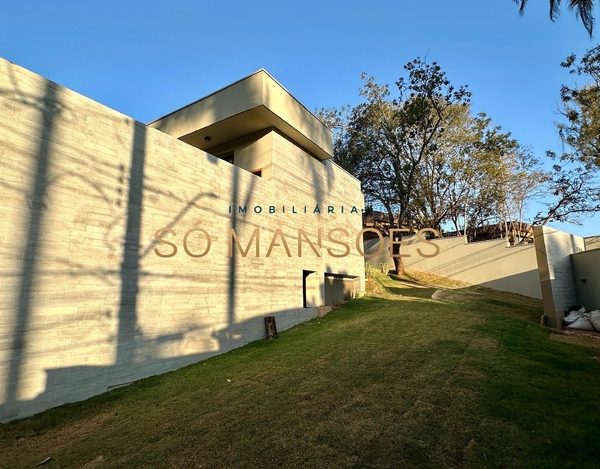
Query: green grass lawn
[[395, 379]]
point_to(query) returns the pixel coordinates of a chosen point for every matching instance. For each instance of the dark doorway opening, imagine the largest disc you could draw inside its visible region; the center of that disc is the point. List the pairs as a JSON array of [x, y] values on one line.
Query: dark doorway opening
[[305, 274]]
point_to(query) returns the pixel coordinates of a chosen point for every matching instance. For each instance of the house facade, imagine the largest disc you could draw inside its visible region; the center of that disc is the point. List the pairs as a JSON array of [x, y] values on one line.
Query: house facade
[[129, 250]]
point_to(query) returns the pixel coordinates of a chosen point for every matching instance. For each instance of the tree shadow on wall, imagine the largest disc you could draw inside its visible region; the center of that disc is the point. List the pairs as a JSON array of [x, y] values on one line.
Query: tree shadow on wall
[[136, 355], [34, 272]]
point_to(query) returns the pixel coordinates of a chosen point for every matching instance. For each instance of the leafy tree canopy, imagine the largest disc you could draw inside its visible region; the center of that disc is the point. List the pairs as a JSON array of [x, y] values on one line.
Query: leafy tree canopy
[[423, 158], [574, 187]]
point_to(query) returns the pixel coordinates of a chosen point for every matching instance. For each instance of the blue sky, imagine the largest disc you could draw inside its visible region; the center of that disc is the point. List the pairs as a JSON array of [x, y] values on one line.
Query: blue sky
[[148, 58]]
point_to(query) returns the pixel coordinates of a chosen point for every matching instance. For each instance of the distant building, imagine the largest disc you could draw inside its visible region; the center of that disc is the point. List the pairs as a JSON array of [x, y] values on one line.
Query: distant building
[[518, 233]]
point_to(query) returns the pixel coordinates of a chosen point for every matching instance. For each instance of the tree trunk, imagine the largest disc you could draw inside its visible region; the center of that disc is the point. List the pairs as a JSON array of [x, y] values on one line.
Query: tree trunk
[[399, 264], [271, 327], [398, 261]]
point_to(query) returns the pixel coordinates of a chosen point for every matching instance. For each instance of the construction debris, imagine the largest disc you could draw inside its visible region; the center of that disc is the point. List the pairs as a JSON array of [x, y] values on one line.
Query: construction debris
[[577, 317]]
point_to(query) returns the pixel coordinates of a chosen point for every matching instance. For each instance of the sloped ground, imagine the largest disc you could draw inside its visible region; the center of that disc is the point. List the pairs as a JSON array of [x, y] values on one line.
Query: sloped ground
[[396, 379]]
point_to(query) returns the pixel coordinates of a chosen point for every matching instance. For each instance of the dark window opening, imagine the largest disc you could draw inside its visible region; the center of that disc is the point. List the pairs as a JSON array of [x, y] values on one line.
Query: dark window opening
[[227, 157], [257, 172]]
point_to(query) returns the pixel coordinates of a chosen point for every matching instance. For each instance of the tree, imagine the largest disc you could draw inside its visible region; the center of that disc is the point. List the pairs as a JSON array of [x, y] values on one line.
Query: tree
[[444, 177], [492, 179], [386, 142], [502, 167], [574, 184], [426, 161], [525, 181], [583, 10], [576, 193], [478, 173], [581, 108]]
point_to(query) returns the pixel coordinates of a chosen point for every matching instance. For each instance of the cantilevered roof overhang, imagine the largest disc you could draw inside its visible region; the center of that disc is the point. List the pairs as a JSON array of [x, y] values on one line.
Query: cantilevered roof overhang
[[251, 104]]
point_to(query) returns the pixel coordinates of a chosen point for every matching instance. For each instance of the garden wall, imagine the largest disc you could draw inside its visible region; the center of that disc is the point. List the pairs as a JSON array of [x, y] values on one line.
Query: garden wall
[[491, 264]]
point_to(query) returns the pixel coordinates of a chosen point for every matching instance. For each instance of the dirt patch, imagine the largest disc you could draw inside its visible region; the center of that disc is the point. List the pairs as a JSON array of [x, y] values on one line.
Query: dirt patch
[[578, 337], [453, 295], [38, 447], [94, 463], [578, 332]]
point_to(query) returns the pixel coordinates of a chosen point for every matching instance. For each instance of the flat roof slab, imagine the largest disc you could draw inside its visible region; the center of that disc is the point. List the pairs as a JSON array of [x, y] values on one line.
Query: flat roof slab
[[254, 103]]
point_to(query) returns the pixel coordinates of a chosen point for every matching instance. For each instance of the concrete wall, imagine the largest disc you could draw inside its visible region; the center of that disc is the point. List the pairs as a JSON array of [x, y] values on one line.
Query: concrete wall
[[592, 242], [553, 252], [85, 301], [586, 276], [253, 152], [338, 290], [488, 263]]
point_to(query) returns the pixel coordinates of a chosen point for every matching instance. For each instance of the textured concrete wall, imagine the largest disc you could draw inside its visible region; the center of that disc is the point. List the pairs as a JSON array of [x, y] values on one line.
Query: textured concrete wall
[[339, 290], [85, 301], [553, 252], [592, 242], [488, 263], [586, 273]]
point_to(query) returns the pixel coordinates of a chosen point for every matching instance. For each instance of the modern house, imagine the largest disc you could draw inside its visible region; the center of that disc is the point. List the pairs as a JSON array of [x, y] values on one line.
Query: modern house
[[128, 250]]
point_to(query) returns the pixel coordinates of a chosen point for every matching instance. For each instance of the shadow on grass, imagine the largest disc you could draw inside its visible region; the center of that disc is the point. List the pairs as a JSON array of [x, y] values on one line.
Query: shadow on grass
[[410, 285]]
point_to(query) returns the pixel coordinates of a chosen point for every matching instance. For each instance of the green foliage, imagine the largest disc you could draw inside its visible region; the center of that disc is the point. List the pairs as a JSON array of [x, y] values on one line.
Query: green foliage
[[584, 9], [370, 269], [573, 193], [426, 160], [384, 267], [385, 141], [581, 108], [573, 183]]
